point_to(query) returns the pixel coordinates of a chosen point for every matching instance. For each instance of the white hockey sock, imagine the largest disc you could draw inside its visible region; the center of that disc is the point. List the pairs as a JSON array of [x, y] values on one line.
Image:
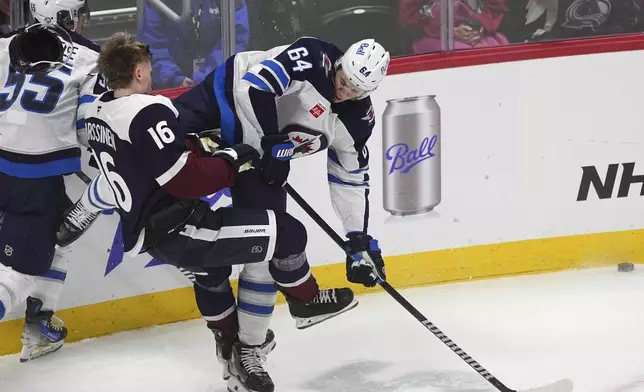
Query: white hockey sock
[[256, 301], [14, 289], [48, 287], [98, 196]]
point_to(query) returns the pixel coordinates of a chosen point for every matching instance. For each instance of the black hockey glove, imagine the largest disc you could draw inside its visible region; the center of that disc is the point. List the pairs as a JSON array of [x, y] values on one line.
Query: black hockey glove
[[366, 265], [276, 165], [241, 156]]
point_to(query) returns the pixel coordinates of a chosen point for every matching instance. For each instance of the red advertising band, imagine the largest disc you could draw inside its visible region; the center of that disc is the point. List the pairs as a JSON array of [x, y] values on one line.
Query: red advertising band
[[497, 54]]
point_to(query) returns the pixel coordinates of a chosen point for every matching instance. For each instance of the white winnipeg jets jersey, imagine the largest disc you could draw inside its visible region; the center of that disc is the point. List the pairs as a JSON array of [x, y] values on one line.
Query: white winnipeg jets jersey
[[41, 114], [290, 89]]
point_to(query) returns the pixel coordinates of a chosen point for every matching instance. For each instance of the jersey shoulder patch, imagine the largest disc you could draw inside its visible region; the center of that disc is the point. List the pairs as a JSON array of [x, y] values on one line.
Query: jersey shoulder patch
[[357, 116]]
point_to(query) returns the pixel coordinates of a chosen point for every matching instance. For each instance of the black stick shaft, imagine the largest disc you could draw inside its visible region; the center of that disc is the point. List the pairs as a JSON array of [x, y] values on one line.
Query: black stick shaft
[[84, 177], [399, 298]]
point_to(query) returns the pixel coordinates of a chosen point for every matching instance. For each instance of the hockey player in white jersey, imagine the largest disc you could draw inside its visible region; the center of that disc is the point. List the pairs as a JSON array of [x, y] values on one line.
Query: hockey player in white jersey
[[41, 108], [290, 102]]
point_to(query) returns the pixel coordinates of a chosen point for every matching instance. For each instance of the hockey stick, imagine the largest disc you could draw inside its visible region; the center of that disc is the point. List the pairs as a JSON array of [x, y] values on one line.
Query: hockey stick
[[564, 385], [84, 177]]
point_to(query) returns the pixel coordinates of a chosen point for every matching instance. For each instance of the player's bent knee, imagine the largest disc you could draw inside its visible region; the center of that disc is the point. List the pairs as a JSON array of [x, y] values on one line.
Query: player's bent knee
[[214, 279], [291, 236]]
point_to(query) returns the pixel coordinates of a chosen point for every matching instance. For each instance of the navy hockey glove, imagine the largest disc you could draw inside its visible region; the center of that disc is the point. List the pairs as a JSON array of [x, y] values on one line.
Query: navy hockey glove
[[276, 165], [241, 156], [365, 266]]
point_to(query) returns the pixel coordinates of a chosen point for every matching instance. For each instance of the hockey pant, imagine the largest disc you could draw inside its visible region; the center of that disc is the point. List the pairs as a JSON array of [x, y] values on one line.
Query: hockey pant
[[267, 242], [31, 212]]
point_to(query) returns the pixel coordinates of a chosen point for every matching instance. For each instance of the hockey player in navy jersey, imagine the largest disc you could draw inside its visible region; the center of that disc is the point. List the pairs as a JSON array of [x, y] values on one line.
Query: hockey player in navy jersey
[[290, 102], [324, 98], [157, 184], [41, 108]]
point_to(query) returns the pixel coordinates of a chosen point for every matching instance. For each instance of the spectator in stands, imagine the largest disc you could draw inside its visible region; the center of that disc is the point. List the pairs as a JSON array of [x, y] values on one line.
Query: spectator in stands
[[5, 12], [183, 54], [475, 23], [541, 20]]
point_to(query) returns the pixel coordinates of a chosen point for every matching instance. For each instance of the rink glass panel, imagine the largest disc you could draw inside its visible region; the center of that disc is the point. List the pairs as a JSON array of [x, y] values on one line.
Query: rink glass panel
[[404, 27]]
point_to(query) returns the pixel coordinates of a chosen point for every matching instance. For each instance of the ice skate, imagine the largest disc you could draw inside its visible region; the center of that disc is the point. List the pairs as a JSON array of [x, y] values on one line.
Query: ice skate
[[43, 333], [326, 304], [77, 220], [225, 347], [247, 368]]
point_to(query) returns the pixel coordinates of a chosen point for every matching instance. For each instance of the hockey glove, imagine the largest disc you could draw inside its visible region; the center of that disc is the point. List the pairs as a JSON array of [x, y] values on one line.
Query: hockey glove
[[276, 165], [365, 266], [205, 143], [241, 156]]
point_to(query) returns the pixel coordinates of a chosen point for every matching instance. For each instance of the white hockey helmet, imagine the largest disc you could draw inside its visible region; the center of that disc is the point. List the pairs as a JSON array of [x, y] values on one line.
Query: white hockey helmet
[[63, 13], [365, 64]]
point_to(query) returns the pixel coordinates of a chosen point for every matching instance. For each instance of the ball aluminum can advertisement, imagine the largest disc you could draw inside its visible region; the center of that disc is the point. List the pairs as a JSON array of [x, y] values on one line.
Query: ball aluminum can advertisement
[[411, 155]]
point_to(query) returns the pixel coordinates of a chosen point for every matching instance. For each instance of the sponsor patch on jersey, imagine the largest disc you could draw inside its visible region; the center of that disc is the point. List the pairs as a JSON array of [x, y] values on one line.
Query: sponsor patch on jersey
[[317, 110]]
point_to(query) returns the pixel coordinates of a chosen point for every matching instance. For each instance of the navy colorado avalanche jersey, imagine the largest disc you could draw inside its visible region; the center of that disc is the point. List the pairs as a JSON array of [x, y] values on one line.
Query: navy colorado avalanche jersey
[[138, 146]]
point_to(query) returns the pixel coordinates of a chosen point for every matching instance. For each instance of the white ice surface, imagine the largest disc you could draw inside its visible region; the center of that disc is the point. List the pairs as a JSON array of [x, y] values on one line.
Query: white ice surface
[[584, 325]]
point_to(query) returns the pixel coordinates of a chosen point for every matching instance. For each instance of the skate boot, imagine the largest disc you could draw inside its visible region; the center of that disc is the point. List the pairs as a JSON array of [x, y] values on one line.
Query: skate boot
[[43, 334], [326, 304], [77, 220], [225, 347], [247, 369]]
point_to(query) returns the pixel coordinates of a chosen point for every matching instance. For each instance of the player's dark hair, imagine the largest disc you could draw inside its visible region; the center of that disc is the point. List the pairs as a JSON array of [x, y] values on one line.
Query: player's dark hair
[[119, 56]]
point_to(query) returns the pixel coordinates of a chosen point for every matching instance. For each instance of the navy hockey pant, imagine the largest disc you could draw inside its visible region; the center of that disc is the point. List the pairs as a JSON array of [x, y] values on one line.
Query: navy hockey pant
[[32, 210], [206, 106]]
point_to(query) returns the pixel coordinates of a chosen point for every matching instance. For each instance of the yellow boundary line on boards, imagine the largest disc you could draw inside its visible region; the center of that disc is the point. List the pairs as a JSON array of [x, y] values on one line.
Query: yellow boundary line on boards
[[426, 268]]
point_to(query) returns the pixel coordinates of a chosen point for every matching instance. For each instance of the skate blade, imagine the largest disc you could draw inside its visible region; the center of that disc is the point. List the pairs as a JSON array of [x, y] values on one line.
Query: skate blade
[[304, 323], [234, 385], [29, 354]]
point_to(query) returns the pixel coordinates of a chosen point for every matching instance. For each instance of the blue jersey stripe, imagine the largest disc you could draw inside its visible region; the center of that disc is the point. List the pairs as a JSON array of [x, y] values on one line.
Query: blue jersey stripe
[[335, 180], [80, 124], [257, 82], [279, 71], [86, 99], [40, 170], [57, 275], [227, 114]]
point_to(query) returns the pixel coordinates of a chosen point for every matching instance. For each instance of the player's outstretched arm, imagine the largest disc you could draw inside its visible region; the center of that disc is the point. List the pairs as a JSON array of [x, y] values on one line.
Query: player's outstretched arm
[[348, 175], [181, 172]]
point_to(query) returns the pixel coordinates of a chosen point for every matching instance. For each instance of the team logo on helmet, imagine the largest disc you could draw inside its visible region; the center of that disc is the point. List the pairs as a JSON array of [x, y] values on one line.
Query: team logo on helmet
[[361, 48]]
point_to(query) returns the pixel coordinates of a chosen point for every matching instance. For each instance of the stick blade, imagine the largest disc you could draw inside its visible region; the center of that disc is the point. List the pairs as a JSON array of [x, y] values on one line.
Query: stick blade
[[564, 385]]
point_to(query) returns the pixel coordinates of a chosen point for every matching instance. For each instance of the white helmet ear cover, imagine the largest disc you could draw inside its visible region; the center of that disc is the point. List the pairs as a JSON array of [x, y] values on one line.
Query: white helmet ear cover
[[365, 64]]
